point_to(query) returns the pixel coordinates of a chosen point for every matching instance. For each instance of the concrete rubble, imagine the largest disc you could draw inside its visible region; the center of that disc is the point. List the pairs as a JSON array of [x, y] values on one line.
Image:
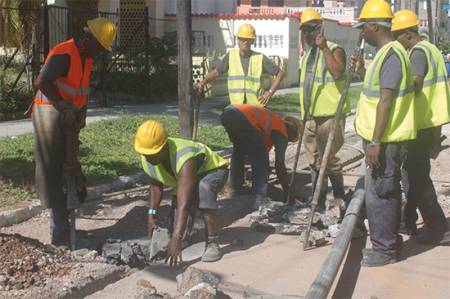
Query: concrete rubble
[[196, 283], [145, 290], [281, 218], [136, 253]]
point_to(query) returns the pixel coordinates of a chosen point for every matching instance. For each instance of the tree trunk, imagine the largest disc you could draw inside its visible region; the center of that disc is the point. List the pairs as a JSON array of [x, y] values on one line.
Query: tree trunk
[[184, 68]]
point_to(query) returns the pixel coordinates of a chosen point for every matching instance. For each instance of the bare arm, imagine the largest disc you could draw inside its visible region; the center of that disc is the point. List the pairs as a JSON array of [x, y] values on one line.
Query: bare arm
[[154, 197], [48, 88], [383, 108], [280, 168], [186, 184], [208, 78], [335, 61], [418, 83]]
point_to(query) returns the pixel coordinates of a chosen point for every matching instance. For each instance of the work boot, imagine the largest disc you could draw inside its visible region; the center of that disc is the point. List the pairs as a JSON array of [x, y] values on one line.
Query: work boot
[[337, 182], [323, 191], [399, 246], [376, 259], [212, 250]]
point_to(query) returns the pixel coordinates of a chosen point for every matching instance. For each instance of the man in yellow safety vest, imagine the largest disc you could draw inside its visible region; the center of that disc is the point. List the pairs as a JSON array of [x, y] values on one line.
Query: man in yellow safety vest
[[385, 121], [432, 102], [319, 101], [245, 68], [195, 172]]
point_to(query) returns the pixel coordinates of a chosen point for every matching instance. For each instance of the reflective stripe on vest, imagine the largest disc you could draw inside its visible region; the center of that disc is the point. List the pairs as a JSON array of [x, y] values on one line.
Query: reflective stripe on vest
[[401, 124], [263, 120], [244, 86], [74, 86], [326, 91], [181, 150], [433, 101]]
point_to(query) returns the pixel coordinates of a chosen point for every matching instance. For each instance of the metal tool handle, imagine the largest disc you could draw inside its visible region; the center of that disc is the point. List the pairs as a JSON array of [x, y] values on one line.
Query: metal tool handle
[[305, 117], [196, 111], [326, 154]]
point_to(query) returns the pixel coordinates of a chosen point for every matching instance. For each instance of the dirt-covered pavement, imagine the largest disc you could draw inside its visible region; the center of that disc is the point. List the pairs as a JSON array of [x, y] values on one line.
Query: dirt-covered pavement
[[254, 263]]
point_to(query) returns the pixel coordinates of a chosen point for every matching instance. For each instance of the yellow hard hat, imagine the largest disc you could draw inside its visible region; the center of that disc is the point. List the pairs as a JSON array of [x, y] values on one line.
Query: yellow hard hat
[[150, 138], [308, 15], [376, 9], [246, 31], [404, 19], [296, 122], [103, 30]]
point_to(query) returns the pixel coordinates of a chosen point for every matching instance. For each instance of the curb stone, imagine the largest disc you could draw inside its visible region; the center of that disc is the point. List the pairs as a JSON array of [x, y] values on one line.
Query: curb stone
[[16, 216]]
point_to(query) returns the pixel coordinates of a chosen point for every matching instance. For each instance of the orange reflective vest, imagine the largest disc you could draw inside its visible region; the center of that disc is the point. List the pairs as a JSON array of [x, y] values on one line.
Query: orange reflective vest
[[75, 86], [263, 120]]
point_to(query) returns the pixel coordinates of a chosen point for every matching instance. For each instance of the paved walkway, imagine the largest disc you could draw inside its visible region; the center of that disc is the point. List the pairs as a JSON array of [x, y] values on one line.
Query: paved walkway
[[209, 112]]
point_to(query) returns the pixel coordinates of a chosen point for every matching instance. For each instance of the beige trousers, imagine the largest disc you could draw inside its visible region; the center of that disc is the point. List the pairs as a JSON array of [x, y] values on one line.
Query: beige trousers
[[315, 139]]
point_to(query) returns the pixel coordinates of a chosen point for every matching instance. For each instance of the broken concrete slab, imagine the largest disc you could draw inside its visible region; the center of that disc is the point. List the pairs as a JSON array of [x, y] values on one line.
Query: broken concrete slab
[[317, 237], [201, 291], [278, 228], [144, 290], [192, 277]]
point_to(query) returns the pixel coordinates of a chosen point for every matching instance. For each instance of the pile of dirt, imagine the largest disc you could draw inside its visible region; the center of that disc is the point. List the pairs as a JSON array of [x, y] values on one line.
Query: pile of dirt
[[26, 262]]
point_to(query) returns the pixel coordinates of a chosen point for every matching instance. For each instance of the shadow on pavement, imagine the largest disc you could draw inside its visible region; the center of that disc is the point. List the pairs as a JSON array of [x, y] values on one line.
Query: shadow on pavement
[[350, 271]]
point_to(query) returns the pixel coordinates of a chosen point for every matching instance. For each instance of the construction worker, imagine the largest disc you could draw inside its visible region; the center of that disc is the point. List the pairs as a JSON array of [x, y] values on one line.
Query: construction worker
[[196, 173], [245, 69], [385, 121], [319, 101], [63, 89], [432, 103], [253, 130]]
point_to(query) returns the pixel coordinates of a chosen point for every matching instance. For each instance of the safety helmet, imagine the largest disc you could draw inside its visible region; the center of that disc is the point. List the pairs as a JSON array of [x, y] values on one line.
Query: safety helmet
[[308, 15], [404, 19], [150, 138], [376, 9], [103, 30], [296, 122], [246, 31]]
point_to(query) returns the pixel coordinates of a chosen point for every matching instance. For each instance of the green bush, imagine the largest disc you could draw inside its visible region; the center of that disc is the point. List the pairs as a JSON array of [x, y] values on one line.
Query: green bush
[[16, 99]]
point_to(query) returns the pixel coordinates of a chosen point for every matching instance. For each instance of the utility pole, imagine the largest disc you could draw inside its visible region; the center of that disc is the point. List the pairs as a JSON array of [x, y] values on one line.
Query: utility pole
[[184, 33], [430, 21]]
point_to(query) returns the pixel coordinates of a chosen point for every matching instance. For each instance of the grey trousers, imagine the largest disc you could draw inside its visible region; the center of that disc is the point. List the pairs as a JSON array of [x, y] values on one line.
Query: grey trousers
[[49, 152], [383, 197]]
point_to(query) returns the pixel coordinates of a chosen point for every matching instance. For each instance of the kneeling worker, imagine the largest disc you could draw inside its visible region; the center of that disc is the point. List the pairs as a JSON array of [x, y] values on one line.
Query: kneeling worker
[[253, 130], [192, 169]]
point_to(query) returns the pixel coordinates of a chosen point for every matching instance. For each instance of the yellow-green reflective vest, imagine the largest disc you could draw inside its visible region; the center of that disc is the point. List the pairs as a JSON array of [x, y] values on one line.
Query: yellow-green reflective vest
[[244, 86], [181, 150], [326, 91], [433, 101], [401, 124]]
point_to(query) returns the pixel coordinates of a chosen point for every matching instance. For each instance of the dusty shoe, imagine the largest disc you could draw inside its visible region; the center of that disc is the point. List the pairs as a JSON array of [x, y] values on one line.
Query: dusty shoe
[[376, 259], [212, 251]]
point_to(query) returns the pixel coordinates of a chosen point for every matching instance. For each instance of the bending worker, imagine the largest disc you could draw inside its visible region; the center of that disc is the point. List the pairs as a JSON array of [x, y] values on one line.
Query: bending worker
[[196, 173], [63, 89], [253, 130], [432, 103], [385, 121], [319, 101], [245, 69]]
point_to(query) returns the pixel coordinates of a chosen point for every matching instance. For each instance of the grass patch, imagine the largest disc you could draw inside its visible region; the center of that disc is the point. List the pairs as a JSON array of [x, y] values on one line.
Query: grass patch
[[106, 152], [290, 102]]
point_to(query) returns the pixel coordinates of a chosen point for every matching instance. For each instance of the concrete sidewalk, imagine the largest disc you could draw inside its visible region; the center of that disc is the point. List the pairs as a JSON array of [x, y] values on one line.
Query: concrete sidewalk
[[208, 113]]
